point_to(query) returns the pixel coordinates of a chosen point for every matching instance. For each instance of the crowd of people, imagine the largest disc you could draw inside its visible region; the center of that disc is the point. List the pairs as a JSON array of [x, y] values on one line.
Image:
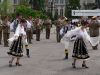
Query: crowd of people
[[67, 30]]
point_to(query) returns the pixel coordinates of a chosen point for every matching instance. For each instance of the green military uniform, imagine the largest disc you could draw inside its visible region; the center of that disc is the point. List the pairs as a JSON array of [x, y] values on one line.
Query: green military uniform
[[0, 31], [58, 27], [29, 31], [29, 35], [38, 29], [47, 24], [6, 32], [94, 31]]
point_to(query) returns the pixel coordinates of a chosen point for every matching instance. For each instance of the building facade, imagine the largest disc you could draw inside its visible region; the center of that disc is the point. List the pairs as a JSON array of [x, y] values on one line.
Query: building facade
[[10, 5], [97, 3], [87, 4], [56, 7]]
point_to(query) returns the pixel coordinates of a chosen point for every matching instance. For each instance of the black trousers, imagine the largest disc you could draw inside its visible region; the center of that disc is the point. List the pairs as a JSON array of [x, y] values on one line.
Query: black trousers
[[37, 34], [47, 33], [5, 38]]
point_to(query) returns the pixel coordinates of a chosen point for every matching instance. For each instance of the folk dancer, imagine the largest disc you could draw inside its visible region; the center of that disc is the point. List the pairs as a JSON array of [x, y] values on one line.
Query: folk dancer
[[15, 23], [16, 48], [80, 49]]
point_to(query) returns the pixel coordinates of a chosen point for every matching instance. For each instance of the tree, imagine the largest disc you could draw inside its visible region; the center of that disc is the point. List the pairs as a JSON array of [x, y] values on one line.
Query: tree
[[37, 4], [5, 6], [24, 2], [26, 12], [72, 5]]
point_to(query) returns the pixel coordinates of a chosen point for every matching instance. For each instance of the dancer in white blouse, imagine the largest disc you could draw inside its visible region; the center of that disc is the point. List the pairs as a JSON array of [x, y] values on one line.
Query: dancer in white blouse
[[80, 49], [19, 38]]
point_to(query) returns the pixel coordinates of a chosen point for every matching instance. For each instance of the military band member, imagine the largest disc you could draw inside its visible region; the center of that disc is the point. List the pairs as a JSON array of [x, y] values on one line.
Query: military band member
[[47, 24], [6, 30], [29, 32], [31, 21], [94, 32], [0, 30], [37, 23], [58, 27]]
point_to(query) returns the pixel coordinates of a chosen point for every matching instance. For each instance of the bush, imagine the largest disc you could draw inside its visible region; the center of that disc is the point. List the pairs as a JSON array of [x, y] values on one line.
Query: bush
[[26, 11]]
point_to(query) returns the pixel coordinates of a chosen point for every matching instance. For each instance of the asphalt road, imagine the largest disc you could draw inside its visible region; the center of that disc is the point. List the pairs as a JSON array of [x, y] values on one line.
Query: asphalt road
[[47, 59]]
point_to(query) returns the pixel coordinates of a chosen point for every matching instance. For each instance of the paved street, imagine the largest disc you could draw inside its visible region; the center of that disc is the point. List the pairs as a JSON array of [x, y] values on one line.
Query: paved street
[[47, 59]]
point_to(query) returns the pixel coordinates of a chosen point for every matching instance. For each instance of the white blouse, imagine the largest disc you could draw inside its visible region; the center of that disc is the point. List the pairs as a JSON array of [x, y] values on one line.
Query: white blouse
[[20, 31], [78, 32]]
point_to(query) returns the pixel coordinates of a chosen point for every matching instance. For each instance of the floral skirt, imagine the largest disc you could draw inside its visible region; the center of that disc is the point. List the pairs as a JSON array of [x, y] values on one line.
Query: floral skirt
[[16, 48], [80, 50]]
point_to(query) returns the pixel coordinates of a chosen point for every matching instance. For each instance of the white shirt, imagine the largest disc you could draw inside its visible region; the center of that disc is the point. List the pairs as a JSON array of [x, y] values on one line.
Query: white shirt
[[20, 31], [29, 25], [79, 33]]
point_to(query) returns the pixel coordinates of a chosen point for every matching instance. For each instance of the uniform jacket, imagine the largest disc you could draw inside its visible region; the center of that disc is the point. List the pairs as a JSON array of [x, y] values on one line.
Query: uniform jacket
[[94, 28]]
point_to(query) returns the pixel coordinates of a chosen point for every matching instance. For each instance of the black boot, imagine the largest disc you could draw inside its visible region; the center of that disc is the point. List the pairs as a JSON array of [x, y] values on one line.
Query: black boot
[[17, 64], [73, 65], [84, 65], [10, 63], [27, 53], [66, 54]]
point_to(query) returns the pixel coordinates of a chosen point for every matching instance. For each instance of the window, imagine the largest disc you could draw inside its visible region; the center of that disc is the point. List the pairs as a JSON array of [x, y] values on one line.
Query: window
[[98, 3], [61, 12], [56, 1], [15, 1], [56, 11], [61, 1], [49, 10]]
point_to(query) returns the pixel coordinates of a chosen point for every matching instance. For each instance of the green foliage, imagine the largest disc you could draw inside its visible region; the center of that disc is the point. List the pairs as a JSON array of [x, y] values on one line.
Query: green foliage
[[26, 11], [73, 5], [37, 4], [5, 7], [24, 2], [56, 15]]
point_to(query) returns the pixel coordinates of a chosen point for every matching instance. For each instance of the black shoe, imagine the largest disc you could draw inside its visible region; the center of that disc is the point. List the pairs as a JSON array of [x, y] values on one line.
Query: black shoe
[[37, 39], [65, 58], [28, 56], [6, 46], [27, 53], [30, 42], [10, 64], [73, 65], [17, 64], [94, 47], [84, 66]]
